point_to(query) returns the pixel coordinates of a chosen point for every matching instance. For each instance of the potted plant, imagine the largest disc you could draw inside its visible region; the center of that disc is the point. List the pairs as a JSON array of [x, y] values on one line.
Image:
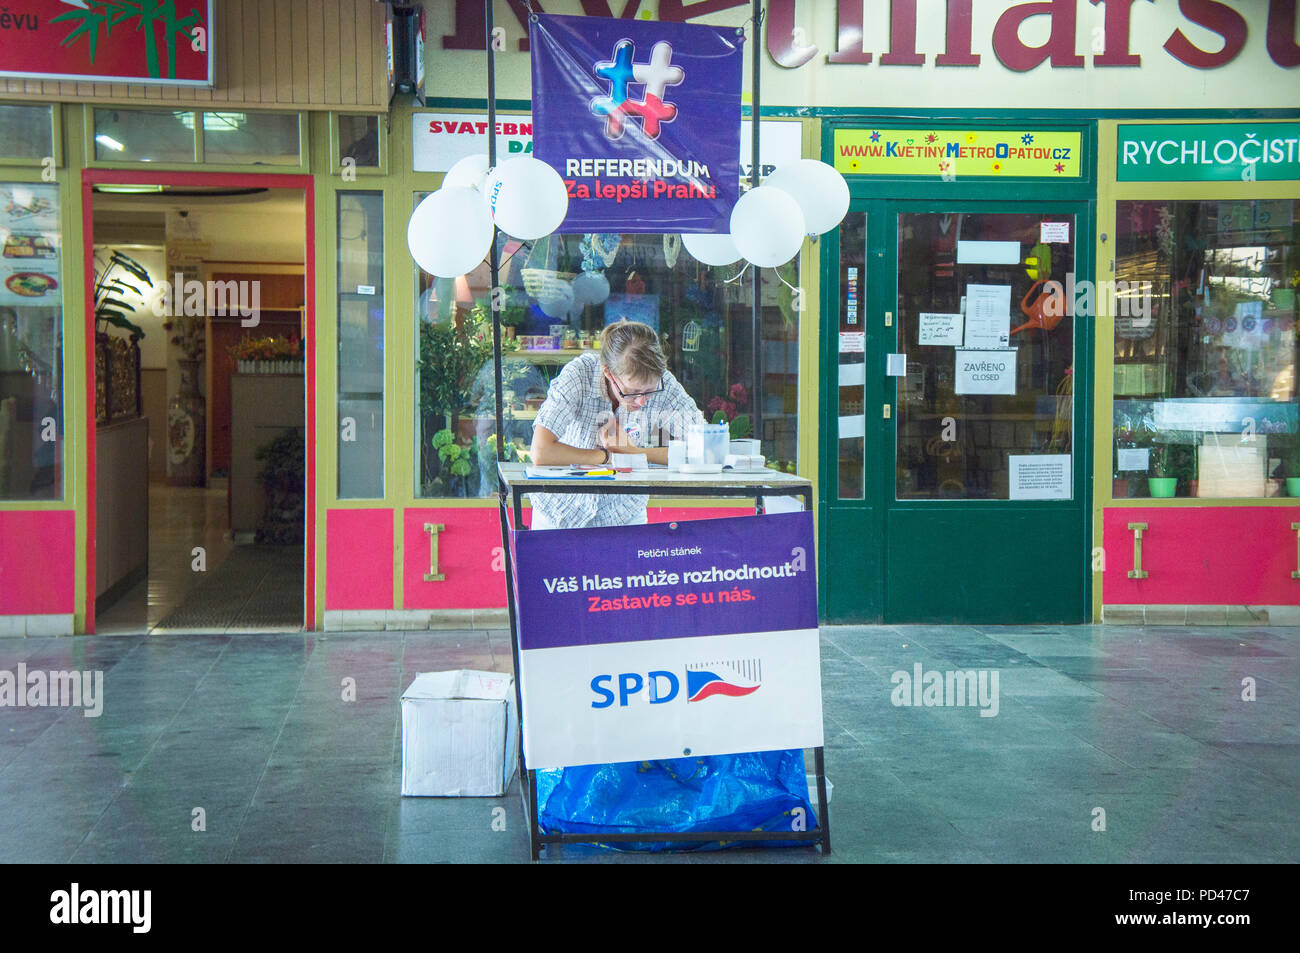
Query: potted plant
[[1292, 464], [1161, 483]]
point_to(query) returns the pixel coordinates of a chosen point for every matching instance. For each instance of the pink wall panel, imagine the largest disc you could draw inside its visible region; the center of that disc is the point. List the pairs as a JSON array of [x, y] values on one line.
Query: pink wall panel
[[37, 557], [1203, 556], [666, 514], [468, 556], [359, 559]]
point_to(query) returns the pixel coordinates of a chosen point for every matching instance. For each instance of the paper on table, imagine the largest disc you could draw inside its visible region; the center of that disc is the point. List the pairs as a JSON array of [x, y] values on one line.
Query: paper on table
[[939, 328], [988, 315]]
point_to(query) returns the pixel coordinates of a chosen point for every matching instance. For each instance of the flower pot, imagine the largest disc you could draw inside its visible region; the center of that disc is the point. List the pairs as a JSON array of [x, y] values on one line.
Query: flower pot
[[1293, 486], [1163, 487]]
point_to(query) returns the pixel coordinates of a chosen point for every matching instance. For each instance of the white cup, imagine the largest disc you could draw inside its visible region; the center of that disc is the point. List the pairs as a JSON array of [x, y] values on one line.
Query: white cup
[[676, 454]]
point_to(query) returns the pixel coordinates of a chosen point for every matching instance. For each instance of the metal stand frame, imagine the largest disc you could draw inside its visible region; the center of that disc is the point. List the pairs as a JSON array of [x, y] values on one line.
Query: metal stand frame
[[821, 834]]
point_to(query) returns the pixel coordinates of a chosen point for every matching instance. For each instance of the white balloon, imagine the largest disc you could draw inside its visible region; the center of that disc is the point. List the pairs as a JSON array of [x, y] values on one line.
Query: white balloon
[[468, 173], [526, 198], [449, 232], [590, 287], [822, 193], [767, 226], [712, 249], [556, 299]]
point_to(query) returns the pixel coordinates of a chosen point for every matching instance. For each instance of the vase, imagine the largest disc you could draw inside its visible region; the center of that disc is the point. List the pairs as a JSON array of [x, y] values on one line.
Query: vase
[[1293, 486], [1163, 487], [185, 429]]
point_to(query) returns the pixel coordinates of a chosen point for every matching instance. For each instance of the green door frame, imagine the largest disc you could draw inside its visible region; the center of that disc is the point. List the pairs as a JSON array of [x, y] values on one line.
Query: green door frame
[[854, 532]]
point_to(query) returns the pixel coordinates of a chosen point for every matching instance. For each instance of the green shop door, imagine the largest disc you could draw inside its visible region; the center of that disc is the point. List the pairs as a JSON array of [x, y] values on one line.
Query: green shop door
[[955, 414]]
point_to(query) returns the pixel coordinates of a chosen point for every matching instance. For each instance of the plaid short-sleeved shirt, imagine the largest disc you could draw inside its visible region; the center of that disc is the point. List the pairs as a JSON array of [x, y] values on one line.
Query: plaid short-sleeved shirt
[[576, 408]]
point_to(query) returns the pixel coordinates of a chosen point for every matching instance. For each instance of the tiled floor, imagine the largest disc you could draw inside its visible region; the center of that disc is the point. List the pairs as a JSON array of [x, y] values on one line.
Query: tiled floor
[[237, 588], [1144, 728]]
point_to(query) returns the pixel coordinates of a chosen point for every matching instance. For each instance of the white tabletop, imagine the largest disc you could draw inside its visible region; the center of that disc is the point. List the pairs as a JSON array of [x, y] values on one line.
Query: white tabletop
[[514, 475]]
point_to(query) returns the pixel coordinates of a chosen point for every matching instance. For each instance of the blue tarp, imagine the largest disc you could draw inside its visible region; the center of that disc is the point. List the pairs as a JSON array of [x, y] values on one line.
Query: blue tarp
[[734, 792]]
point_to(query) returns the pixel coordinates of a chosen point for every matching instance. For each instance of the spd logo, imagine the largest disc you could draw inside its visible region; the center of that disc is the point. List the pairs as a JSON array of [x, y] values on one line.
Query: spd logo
[[733, 678]]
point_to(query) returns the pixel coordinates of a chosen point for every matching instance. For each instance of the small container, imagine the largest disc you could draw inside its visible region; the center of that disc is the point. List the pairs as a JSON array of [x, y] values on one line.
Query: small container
[[746, 448], [707, 443], [676, 454]]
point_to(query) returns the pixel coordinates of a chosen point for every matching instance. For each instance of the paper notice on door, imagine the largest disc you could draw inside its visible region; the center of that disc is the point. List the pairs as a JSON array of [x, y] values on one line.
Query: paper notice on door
[[1054, 232], [853, 375], [855, 426], [895, 365], [985, 371], [1133, 459], [939, 329], [853, 342], [1040, 476], [988, 315], [988, 253]]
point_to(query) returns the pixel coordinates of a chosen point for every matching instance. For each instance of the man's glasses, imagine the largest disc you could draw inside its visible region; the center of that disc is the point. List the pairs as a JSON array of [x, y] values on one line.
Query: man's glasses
[[644, 393]]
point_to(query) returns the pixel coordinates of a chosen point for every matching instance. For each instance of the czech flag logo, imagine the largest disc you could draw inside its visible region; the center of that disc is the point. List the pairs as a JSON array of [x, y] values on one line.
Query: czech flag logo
[[723, 678]]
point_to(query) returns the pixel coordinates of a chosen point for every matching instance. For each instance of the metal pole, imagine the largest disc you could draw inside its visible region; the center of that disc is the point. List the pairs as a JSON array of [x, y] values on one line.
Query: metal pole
[[756, 278], [494, 261]]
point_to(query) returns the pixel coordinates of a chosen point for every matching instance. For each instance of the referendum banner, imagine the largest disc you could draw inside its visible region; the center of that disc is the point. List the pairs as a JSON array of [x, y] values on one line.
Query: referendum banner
[[641, 119], [668, 640]]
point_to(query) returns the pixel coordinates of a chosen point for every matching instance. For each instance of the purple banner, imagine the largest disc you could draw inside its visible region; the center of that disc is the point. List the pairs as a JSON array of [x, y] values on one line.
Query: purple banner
[[641, 119], [665, 580]]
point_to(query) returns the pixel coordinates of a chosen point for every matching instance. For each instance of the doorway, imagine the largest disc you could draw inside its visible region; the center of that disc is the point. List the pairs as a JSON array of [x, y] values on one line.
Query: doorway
[[955, 442], [200, 495]]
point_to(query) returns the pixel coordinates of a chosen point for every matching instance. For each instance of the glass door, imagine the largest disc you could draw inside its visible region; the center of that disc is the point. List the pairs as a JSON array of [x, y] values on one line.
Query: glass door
[[956, 491], [985, 520]]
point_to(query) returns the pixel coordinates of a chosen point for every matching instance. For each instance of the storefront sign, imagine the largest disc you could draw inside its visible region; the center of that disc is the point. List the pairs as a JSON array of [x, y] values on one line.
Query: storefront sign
[[440, 140], [1039, 476], [664, 640], [1041, 54], [1210, 152], [640, 119], [990, 371], [166, 43], [1001, 153], [29, 255]]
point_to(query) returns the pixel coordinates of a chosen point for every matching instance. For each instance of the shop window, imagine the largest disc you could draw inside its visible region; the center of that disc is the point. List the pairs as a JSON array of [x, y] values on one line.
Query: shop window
[[31, 343], [557, 293], [358, 140], [144, 135], [251, 138], [1205, 351], [361, 345], [26, 132]]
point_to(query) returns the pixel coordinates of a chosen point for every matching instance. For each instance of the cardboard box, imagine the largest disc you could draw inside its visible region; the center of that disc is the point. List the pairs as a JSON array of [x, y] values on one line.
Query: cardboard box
[[460, 734]]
